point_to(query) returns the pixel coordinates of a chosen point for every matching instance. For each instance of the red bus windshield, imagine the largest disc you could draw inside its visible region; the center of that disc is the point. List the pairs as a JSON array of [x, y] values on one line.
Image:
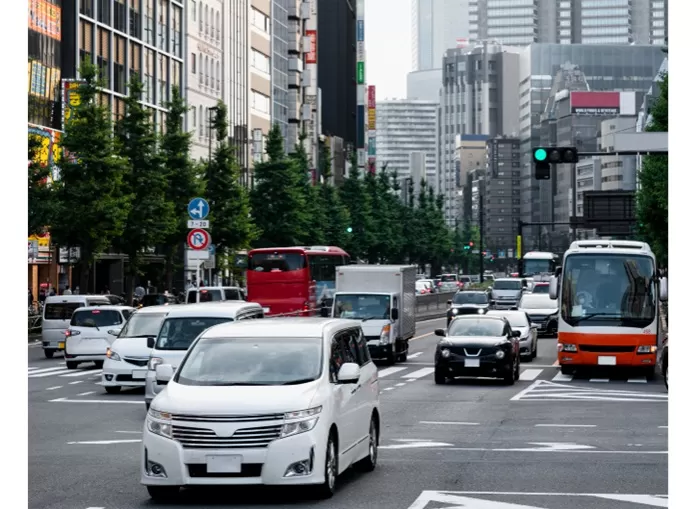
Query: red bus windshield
[[276, 262]]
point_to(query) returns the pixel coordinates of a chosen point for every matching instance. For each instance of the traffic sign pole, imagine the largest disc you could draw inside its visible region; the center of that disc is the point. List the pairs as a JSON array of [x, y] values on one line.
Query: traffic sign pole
[[198, 239]]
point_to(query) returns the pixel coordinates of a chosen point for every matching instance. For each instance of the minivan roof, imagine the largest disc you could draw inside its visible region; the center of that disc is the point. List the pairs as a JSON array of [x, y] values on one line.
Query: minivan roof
[[289, 327], [110, 307], [214, 309], [153, 310], [74, 298]]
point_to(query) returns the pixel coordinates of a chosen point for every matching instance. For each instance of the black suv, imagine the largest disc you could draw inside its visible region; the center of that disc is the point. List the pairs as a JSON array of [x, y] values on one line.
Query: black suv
[[468, 302]]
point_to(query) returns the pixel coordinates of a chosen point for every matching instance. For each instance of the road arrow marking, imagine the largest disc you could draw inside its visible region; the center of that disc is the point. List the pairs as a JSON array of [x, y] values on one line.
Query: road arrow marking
[[414, 444], [463, 502], [549, 447]]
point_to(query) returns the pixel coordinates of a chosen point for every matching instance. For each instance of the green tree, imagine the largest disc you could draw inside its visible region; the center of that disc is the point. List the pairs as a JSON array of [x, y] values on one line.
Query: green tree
[[334, 217], [354, 197], [151, 216], [652, 199], [395, 216], [40, 199], [92, 203], [378, 225], [421, 229], [231, 225], [183, 177], [310, 214], [438, 234], [277, 202]]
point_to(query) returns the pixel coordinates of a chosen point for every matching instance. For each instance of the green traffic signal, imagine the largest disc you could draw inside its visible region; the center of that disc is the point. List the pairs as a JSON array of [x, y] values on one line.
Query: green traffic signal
[[349, 229], [540, 154]]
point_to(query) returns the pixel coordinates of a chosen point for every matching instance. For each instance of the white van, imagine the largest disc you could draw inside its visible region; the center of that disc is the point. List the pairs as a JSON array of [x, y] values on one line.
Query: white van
[[214, 294], [58, 311], [182, 326]]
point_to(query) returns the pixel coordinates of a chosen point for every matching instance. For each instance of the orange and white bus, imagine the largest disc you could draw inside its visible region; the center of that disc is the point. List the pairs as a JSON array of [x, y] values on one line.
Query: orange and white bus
[[609, 293]]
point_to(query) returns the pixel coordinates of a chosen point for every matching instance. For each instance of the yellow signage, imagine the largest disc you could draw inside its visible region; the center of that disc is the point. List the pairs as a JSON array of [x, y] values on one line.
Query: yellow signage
[[371, 119], [71, 99], [49, 153], [519, 247]]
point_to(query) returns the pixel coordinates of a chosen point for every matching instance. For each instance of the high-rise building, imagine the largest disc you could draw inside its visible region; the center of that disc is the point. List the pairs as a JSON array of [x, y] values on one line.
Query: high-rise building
[[406, 138], [478, 96], [436, 26], [280, 64], [470, 164]]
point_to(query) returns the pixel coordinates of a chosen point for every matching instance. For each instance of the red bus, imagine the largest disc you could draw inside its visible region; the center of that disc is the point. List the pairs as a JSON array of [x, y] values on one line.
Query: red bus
[[293, 279]]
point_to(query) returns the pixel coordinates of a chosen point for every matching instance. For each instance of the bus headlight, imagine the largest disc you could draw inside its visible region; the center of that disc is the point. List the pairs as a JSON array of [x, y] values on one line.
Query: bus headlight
[[646, 349], [566, 347]]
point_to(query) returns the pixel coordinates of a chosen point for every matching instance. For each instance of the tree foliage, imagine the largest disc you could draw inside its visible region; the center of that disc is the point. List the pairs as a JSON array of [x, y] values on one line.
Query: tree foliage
[[652, 199], [39, 193]]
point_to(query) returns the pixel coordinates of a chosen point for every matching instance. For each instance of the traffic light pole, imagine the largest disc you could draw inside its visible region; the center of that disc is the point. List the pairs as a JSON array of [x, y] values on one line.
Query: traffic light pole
[[481, 238]]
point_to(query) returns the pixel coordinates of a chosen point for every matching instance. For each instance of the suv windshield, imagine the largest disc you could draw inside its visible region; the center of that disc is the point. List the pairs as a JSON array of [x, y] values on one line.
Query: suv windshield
[[362, 307], [470, 298], [540, 289], [243, 361], [178, 333], [95, 318], [515, 284], [142, 325], [476, 327]]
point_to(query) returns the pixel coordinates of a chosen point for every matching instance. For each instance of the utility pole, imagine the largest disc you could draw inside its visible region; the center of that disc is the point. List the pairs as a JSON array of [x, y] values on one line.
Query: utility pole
[[481, 237]]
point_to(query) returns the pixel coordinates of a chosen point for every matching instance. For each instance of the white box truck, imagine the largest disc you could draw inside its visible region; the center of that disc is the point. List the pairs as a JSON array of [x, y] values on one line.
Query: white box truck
[[383, 297]]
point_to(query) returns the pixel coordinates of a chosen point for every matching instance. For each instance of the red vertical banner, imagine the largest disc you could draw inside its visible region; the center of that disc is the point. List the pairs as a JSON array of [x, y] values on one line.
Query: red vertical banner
[[371, 97], [311, 54]]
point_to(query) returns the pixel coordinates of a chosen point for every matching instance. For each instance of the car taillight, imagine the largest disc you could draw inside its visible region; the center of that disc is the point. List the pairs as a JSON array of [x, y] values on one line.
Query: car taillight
[[70, 333], [440, 284]]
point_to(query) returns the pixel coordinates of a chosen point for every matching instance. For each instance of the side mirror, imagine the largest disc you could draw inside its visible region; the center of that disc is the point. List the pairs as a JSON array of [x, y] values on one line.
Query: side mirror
[[663, 289], [349, 373], [440, 332], [324, 312], [394, 314], [516, 333], [493, 302], [150, 342], [449, 302], [113, 332], [557, 271], [553, 290], [164, 372]]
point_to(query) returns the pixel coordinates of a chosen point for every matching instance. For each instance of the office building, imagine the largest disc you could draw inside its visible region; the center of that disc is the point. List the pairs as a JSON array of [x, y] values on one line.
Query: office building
[[618, 173], [502, 195], [406, 132], [436, 26], [280, 63], [470, 164], [478, 96], [604, 67], [424, 85]]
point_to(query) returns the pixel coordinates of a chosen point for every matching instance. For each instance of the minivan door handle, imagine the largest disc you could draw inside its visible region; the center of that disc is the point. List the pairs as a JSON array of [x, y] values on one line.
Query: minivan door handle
[[356, 389]]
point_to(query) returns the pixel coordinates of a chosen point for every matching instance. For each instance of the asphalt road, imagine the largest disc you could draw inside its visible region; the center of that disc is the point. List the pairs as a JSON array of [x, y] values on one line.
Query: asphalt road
[[548, 442]]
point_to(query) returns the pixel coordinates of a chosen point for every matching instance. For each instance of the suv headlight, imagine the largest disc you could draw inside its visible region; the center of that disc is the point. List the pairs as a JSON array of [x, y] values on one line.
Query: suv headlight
[[153, 362], [481, 311], [159, 423], [112, 355], [646, 349], [300, 421], [455, 311], [384, 336]]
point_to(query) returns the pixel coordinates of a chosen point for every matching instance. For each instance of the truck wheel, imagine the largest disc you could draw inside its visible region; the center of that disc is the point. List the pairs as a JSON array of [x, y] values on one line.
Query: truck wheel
[[567, 369], [403, 357], [391, 356]]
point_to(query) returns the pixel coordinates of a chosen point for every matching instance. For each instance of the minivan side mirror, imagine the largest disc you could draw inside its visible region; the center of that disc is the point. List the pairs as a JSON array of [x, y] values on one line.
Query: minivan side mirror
[[663, 289], [150, 341], [394, 314], [164, 372], [553, 290], [349, 373], [440, 332], [449, 302], [113, 332], [515, 333]]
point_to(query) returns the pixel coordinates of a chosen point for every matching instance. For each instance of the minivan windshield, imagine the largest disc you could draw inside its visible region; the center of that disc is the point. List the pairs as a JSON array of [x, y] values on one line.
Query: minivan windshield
[[95, 318], [142, 325], [476, 327], [61, 310], [252, 361], [178, 333], [515, 284], [204, 296], [470, 298]]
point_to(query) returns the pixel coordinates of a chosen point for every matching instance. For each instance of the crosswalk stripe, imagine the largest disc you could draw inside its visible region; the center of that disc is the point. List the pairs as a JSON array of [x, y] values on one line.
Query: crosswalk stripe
[[603, 380], [414, 355], [53, 373], [83, 373], [390, 371], [642, 380], [530, 374], [420, 373], [46, 370], [562, 378]]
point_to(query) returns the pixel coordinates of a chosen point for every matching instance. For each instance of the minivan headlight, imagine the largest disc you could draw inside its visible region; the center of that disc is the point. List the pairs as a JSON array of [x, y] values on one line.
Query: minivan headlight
[[112, 355], [159, 423], [300, 421], [481, 311]]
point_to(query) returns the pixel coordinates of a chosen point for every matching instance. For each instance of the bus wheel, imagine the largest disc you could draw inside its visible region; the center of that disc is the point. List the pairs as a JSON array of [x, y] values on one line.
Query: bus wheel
[[567, 369], [650, 372]]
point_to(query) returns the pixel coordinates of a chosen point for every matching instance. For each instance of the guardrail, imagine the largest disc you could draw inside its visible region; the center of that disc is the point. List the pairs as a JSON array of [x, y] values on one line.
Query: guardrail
[[432, 305]]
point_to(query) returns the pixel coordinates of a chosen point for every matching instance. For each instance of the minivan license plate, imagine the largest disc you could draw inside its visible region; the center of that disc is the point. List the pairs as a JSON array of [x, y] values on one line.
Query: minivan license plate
[[471, 363], [138, 374], [224, 464]]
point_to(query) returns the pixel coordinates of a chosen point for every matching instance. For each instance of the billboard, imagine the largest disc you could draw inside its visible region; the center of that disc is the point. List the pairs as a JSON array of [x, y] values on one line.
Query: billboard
[[371, 146], [311, 57], [360, 73], [70, 98], [371, 119], [360, 126], [39, 249], [371, 97], [360, 29], [49, 153], [45, 18], [42, 80], [595, 103]]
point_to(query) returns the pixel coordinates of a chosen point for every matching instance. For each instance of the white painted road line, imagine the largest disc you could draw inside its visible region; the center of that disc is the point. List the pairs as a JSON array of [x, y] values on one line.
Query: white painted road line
[[663, 427], [76, 382], [388, 389], [84, 373], [399, 385], [560, 377], [414, 355], [411, 380], [420, 373], [104, 442], [52, 373], [46, 370], [130, 432], [53, 388], [451, 423], [599, 380], [390, 371], [119, 401], [95, 508], [565, 425], [86, 393], [530, 374], [641, 380]]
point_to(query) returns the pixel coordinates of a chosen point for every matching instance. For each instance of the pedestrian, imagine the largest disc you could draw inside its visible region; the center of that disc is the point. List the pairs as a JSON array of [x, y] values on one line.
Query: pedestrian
[[52, 291], [30, 296], [67, 292]]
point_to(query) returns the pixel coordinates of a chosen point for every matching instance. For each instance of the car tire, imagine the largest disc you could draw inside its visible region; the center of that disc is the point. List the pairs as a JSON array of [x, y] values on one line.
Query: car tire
[[330, 474], [509, 379], [440, 378], [391, 356], [534, 351], [567, 369], [99, 364], [71, 365], [163, 493], [113, 389], [369, 462], [650, 373], [48, 353]]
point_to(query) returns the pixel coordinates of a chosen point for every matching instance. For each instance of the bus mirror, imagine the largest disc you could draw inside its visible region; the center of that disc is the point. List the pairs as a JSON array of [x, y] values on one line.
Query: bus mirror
[[553, 293], [663, 289], [557, 271]]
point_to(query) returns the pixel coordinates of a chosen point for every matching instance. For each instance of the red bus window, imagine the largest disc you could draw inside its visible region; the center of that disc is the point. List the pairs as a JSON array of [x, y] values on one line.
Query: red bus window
[[276, 262]]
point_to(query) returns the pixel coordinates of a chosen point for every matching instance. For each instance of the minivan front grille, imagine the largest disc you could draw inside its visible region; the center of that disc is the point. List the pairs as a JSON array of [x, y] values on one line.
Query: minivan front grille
[[228, 418], [136, 361], [201, 438]]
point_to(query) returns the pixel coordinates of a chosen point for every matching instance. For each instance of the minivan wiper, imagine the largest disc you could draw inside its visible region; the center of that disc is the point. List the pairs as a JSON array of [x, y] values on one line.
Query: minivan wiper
[[299, 382]]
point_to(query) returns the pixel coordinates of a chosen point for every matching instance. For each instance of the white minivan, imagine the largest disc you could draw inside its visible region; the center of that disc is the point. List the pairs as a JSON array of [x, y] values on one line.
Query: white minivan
[[214, 294], [283, 401], [58, 311], [182, 326]]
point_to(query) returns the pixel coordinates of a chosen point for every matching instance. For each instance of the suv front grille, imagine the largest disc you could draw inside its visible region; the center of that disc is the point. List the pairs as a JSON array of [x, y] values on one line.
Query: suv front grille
[[473, 351], [202, 438]]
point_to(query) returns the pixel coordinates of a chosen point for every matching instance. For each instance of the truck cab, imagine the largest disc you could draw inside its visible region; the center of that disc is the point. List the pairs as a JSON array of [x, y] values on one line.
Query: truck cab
[[382, 298]]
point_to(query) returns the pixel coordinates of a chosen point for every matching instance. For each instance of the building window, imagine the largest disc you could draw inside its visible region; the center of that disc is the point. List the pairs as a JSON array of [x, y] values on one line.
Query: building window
[[162, 79], [149, 76], [103, 54], [206, 71], [201, 18], [193, 6], [211, 22], [218, 77], [86, 49], [120, 15], [206, 20], [201, 122], [261, 62], [86, 7], [211, 72], [162, 24], [175, 31], [135, 60], [194, 118], [135, 18], [175, 75], [103, 11], [218, 30], [193, 64], [261, 21], [261, 102], [150, 21], [201, 70], [119, 64]]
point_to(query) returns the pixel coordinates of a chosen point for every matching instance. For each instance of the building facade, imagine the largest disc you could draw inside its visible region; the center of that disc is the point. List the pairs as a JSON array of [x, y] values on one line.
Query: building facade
[[436, 26], [470, 160], [502, 195], [280, 64], [406, 132]]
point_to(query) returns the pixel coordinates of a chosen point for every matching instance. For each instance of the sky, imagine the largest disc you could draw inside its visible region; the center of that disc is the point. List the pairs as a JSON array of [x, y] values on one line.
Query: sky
[[388, 46]]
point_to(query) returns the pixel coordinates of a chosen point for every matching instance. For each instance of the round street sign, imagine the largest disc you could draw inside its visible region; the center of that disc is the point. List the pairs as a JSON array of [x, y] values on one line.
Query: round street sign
[[198, 239]]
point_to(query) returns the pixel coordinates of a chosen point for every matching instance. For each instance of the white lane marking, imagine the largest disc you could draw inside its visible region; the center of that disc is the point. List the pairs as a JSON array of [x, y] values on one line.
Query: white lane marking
[[411, 380], [43, 375], [423, 336], [399, 385], [414, 355], [390, 371], [663, 427], [53, 388], [451, 423], [530, 374], [119, 401], [599, 380], [526, 390], [388, 389], [84, 373], [641, 380], [410, 443], [76, 382], [86, 393], [46, 370], [104, 442], [420, 373], [560, 377], [587, 451], [95, 508], [566, 425], [134, 432]]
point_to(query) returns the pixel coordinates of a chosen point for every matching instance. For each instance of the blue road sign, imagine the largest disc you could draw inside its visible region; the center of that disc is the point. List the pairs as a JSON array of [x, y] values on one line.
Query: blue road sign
[[198, 208], [212, 249]]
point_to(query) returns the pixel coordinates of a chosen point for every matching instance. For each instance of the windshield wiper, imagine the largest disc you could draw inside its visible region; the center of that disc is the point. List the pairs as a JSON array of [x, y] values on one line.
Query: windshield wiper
[[374, 318], [299, 382], [593, 315]]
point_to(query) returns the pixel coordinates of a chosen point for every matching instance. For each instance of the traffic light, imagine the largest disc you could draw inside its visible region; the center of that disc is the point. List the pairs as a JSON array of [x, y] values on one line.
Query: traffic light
[[471, 244], [349, 229], [544, 156]]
